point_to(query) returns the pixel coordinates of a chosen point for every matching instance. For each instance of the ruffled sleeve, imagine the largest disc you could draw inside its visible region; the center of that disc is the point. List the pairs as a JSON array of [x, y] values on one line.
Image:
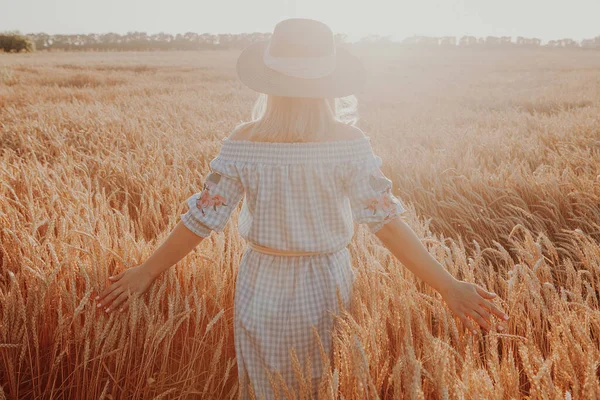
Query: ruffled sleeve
[[211, 208], [370, 194]]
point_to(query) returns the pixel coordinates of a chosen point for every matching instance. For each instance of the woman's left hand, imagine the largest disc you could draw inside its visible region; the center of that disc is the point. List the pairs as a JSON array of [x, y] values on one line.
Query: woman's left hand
[[467, 299], [131, 282]]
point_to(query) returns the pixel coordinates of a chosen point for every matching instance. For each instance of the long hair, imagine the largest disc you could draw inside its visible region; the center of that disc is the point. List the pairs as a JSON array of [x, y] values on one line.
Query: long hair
[[294, 119]]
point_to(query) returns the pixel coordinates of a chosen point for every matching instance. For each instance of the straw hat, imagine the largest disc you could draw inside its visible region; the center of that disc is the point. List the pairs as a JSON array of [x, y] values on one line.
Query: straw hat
[[301, 60]]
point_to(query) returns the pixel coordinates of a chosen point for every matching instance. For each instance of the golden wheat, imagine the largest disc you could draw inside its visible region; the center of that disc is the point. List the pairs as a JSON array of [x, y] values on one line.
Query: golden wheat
[[496, 154]]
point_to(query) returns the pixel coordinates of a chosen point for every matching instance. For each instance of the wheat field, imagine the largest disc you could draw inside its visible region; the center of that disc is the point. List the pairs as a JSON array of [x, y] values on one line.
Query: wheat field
[[495, 152]]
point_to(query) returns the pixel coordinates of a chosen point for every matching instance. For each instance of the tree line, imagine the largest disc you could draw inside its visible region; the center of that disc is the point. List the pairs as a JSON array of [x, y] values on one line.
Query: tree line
[[488, 41], [15, 41]]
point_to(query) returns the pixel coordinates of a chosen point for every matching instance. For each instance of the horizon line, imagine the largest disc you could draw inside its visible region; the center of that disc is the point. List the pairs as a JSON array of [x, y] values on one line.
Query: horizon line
[[392, 37]]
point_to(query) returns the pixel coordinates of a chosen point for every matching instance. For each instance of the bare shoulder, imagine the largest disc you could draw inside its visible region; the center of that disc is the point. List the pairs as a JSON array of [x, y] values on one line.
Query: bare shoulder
[[241, 132], [341, 132], [349, 132]]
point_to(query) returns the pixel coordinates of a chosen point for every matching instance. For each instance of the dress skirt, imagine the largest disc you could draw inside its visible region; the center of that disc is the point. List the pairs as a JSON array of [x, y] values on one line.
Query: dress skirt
[[278, 299], [299, 196]]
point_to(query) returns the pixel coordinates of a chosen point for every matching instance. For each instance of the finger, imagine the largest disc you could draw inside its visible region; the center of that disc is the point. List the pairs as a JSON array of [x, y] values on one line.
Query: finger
[[124, 307], [101, 297], [108, 300], [495, 310], [115, 278], [484, 293], [468, 325], [482, 322], [484, 313], [120, 299]]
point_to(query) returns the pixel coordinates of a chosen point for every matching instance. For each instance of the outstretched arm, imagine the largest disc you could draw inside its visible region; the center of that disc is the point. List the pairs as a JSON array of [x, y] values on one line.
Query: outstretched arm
[[179, 243], [136, 280], [463, 298]]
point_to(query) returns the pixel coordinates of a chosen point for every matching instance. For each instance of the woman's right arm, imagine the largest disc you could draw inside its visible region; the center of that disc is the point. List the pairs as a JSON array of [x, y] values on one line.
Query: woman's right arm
[[464, 299]]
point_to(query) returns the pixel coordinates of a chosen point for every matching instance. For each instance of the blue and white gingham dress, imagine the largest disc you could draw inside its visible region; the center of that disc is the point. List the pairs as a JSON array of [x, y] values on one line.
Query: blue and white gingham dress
[[298, 197]]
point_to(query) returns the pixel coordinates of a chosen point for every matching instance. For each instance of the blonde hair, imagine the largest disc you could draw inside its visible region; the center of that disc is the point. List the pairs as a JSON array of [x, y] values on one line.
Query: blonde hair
[[294, 119]]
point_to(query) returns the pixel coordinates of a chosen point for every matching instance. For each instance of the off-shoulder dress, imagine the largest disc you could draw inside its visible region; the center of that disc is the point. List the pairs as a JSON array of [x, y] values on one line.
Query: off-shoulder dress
[[302, 197]]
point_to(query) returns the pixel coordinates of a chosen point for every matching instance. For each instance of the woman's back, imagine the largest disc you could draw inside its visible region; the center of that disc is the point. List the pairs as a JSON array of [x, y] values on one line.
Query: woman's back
[[298, 196]]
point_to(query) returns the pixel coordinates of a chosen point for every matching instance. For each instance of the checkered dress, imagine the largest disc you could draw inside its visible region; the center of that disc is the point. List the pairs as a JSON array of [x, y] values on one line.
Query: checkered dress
[[298, 197]]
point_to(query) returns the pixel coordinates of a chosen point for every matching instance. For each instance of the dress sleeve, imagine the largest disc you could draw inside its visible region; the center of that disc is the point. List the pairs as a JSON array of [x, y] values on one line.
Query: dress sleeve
[[370, 194], [211, 208]]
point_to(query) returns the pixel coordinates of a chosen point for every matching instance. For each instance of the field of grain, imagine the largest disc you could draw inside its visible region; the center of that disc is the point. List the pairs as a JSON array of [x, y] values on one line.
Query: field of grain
[[496, 153]]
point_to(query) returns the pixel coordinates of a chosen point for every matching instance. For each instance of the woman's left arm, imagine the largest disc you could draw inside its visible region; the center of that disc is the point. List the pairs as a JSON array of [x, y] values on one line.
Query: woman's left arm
[[179, 243], [136, 280]]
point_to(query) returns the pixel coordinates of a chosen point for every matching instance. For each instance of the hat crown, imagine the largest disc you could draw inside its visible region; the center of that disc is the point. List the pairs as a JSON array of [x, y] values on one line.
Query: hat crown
[[301, 37], [301, 59]]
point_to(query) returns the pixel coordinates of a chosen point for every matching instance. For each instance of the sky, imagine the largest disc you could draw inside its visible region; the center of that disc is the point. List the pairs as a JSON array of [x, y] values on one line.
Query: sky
[[544, 19]]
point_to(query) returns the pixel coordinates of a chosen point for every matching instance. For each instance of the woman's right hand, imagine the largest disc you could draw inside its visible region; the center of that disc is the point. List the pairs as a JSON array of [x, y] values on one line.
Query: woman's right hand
[[131, 282], [470, 301]]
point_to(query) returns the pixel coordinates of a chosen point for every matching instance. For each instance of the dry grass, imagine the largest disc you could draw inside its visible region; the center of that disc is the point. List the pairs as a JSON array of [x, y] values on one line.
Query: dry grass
[[497, 154]]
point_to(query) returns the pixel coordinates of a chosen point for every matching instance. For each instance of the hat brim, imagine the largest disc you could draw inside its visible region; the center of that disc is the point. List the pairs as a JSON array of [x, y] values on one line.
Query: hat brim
[[348, 78]]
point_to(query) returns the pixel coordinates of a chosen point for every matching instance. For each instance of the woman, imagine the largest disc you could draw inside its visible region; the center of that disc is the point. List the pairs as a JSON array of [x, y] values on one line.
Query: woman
[[307, 175]]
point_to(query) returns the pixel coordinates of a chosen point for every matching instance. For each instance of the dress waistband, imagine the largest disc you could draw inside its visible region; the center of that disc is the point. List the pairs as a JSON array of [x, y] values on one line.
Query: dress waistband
[[277, 252]]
